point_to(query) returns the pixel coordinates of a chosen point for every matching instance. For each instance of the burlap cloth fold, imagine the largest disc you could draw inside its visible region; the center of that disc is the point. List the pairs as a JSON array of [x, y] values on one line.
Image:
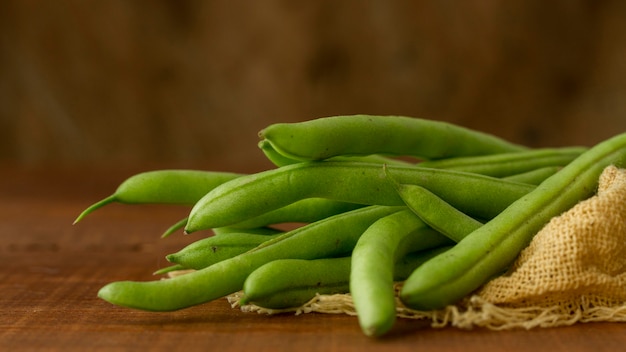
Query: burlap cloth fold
[[574, 270]]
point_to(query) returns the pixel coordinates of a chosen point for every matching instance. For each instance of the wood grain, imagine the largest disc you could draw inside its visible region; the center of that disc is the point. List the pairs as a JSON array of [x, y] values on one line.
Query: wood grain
[[195, 80], [51, 272]]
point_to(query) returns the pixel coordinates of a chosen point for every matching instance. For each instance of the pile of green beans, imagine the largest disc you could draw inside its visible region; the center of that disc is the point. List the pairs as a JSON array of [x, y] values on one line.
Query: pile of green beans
[[375, 200]]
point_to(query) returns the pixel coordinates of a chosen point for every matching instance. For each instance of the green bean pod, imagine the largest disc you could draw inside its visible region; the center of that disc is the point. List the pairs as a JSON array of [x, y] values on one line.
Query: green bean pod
[[534, 177], [328, 137], [214, 249], [491, 249], [290, 283], [333, 236], [302, 211], [280, 160], [371, 274], [179, 225], [353, 182], [184, 187], [437, 213], [507, 164]]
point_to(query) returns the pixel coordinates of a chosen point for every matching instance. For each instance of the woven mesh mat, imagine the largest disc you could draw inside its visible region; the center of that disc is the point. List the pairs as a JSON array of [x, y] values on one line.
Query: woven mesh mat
[[573, 271]]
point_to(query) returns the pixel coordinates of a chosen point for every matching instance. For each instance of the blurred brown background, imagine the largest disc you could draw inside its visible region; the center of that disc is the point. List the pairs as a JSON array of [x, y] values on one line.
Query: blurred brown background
[[183, 81]]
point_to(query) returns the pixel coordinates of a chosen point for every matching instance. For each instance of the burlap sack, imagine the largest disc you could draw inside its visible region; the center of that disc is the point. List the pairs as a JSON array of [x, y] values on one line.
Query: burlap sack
[[573, 271]]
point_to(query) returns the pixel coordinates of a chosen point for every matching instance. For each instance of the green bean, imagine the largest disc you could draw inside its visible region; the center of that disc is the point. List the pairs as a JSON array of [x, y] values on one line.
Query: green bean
[[290, 283], [437, 213], [534, 177], [275, 157], [371, 275], [184, 187], [303, 211], [489, 250], [333, 236], [507, 164], [324, 138], [281, 160], [170, 269], [352, 182], [179, 225], [214, 249], [262, 230]]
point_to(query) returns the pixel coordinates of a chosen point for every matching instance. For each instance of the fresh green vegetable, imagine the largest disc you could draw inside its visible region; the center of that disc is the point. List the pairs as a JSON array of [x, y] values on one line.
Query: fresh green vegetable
[[489, 250]]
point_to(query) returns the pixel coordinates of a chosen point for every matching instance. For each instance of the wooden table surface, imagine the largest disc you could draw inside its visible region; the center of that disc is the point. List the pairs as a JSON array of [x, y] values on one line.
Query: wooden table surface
[[51, 270]]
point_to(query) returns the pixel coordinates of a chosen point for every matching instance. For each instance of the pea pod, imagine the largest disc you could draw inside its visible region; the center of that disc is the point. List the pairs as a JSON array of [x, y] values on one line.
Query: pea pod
[[489, 250], [328, 137], [183, 187], [334, 236], [353, 182]]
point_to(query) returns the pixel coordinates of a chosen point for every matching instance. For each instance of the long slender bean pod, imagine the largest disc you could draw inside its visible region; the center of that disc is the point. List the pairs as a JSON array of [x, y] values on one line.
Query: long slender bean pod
[[281, 160], [507, 164], [183, 187], [363, 183], [303, 211], [179, 225], [327, 137], [489, 250], [437, 213], [334, 236], [371, 275], [214, 249], [290, 283], [534, 177]]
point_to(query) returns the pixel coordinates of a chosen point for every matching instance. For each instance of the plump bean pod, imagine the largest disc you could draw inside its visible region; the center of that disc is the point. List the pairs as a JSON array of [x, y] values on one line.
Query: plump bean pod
[[214, 249], [183, 187], [437, 213], [333, 236], [280, 160], [534, 177], [303, 211], [362, 183], [371, 275], [507, 164], [488, 251], [290, 283], [328, 137]]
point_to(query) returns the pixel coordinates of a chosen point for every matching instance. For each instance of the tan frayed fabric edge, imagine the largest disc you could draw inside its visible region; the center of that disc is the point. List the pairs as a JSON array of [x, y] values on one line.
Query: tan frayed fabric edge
[[473, 312], [574, 271]]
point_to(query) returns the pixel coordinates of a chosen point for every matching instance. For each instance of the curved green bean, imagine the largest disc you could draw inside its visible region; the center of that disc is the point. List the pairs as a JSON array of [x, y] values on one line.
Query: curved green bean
[[371, 274], [184, 187], [327, 137], [507, 164], [362, 183], [489, 250], [333, 236]]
